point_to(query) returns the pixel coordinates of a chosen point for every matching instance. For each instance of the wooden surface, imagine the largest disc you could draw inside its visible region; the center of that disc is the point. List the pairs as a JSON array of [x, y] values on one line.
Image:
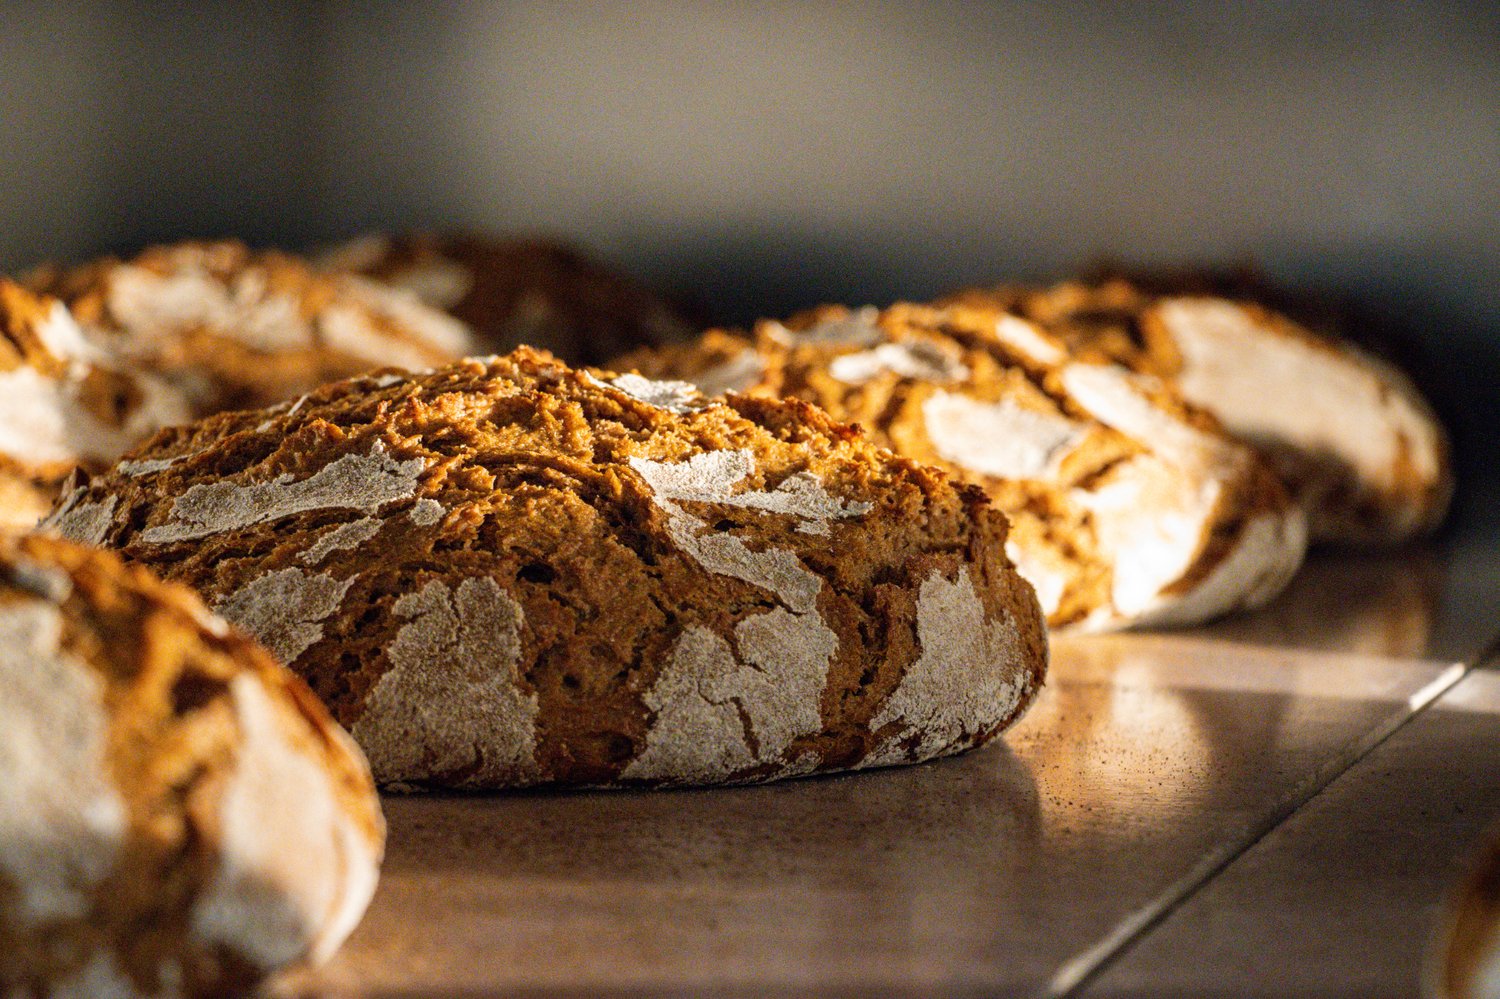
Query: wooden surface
[[1272, 806]]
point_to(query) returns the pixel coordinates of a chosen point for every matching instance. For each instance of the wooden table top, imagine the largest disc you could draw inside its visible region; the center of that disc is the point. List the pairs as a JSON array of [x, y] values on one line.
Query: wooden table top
[[1275, 805]]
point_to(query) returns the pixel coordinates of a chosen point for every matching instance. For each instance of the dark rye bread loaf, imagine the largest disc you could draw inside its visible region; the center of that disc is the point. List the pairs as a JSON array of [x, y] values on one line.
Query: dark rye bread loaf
[[178, 815], [507, 573]]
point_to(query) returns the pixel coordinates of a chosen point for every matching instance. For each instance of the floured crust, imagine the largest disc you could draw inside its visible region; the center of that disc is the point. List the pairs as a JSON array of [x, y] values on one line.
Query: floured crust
[[234, 328], [178, 814], [521, 291], [507, 573], [1356, 443], [64, 403], [1128, 506]]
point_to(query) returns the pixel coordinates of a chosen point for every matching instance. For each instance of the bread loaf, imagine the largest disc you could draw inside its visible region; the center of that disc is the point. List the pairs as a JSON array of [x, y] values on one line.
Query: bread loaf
[[178, 814], [506, 572]]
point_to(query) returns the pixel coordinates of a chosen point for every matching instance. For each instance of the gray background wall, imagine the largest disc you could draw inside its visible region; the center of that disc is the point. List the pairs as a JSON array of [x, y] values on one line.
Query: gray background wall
[[770, 155], [786, 151]]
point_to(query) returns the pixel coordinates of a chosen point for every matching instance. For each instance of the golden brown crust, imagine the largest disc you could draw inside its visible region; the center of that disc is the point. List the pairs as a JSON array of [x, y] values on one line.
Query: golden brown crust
[[25, 497], [20, 314], [589, 580], [523, 291], [1356, 443], [64, 403], [942, 386], [236, 328], [144, 804]]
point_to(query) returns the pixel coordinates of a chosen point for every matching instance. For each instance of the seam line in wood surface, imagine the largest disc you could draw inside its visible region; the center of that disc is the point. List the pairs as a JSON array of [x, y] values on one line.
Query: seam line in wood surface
[[1081, 970]]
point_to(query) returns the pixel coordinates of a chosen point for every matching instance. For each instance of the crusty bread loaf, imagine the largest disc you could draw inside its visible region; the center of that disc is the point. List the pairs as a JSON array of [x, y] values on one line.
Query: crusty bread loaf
[[1350, 434], [521, 291], [1128, 506], [178, 814], [235, 328], [1467, 962], [64, 403], [508, 572]]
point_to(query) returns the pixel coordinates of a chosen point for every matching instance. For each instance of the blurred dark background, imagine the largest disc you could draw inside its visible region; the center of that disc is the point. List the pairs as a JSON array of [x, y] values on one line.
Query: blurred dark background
[[767, 156]]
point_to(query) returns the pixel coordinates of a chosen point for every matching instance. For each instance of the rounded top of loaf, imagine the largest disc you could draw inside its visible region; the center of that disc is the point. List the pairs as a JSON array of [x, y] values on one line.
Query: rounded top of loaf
[[64, 402], [236, 327], [160, 770], [1089, 458], [530, 290], [514, 533]]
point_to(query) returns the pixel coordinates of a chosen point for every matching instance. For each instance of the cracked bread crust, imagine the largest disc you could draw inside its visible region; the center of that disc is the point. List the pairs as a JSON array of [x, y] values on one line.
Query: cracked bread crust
[[64, 403], [236, 328], [1128, 507], [521, 291], [1358, 446], [507, 573], [178, 814]]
